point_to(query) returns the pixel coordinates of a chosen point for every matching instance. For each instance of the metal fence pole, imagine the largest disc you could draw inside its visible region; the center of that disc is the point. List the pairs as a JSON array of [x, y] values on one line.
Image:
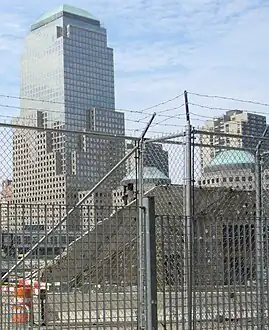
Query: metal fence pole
[[259, 244], [141, 269], [150, 263], [188, 219], [259, 241], [141, 231]]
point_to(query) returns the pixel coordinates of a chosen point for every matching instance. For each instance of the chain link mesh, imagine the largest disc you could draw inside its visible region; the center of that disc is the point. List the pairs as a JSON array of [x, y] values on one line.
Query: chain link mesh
[[61, 229], [65, 227], [229, 237]]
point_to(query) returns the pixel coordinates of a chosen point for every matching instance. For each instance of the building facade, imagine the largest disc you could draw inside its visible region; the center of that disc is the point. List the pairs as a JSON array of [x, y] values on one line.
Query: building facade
[[234, 122], [5, 207], [153, 156], [232, 169], [128, 190], [67, 84]]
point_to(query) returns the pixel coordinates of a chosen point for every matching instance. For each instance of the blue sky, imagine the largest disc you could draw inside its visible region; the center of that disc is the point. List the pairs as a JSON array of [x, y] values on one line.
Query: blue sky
[[161, 48]]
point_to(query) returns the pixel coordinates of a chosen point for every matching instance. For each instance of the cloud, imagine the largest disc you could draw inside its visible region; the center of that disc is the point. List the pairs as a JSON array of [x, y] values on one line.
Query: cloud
[[165, 46]]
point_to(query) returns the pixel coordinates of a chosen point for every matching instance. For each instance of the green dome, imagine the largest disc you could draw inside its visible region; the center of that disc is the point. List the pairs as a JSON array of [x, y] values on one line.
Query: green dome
[[67, 9], [149, 174], [233, 157]]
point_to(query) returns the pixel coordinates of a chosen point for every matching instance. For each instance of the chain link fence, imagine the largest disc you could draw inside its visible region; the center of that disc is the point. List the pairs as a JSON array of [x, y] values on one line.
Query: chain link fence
[[78, 222], [229, 232], [68, 222]]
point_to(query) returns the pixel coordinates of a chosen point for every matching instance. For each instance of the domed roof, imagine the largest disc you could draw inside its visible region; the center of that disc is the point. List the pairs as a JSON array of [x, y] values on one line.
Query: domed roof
[[149, 173], [232, 157], [47, 16]]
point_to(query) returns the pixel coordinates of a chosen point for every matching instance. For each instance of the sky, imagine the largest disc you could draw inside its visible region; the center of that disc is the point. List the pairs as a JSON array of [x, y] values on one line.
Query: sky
[[162, 48]]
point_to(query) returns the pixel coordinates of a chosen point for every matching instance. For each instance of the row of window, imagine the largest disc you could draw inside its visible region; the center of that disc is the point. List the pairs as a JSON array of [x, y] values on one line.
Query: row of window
[[230, 179], [224, 179]]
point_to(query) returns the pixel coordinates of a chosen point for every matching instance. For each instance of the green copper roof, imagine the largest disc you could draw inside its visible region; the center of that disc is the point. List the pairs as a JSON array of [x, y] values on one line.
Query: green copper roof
[[233, 157], [149, 173], [66, 9]]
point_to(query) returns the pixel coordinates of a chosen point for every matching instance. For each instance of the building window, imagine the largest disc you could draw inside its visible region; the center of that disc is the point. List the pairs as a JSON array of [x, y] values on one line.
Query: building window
[[243, 178], [224, 179], [237, 178], [250, 178], [231, 179]]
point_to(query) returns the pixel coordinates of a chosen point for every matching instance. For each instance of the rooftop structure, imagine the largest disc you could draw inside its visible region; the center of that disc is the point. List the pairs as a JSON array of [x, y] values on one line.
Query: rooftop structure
[[60, 11]]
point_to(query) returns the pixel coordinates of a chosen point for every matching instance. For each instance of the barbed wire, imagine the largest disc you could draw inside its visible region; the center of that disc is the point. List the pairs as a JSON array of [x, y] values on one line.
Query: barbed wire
[[17, 120], [29, 119], [228, 98], [171, 117], [59, 112], [202, 116], [82, 107], [82, 132], [227, 109], [164, 102]]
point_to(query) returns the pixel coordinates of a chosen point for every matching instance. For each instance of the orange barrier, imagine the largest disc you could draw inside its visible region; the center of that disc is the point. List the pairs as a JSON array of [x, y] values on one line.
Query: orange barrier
[[23, 292], [23, 310], [20, 314]]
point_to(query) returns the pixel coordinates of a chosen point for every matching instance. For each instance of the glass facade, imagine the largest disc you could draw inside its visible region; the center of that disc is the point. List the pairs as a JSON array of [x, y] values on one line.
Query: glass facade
[[67, 81], [67, 61]]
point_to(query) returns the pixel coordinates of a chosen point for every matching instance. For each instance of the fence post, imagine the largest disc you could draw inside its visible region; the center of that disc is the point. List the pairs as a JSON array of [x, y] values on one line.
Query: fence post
[[188, 220], [259, 241], [141, 310], [150, 263], [141, 243]]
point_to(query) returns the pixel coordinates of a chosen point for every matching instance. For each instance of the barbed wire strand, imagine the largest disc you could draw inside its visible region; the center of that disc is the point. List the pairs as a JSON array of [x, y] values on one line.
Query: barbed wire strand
[[34, 120], [126, 129], [172, 117], [61, 112], [227, 109], [228, 98], [98, 107]]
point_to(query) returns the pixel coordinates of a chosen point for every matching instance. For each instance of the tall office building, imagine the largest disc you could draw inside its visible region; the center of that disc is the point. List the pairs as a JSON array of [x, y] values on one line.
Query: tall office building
[[67, 82], [243, 124]]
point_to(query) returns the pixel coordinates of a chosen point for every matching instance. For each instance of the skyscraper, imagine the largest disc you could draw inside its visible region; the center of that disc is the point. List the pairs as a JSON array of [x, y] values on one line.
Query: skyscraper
[[67, 82]]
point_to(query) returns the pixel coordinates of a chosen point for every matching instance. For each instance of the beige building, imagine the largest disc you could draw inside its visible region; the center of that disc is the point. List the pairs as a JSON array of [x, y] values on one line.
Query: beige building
[[96, 208], [5, 207], [232, 169], [6, 192], [237, 122]]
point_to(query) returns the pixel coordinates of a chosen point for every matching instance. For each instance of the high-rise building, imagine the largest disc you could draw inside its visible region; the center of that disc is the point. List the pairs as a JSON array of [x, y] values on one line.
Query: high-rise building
[[67, 82], [243, 124]]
